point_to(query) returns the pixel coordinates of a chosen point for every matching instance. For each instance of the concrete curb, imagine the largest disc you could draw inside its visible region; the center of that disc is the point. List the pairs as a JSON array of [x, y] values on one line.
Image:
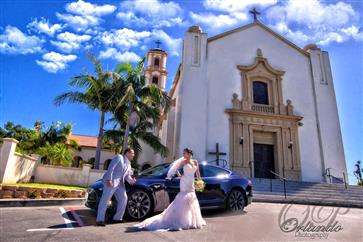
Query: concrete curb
[[307, 202], [41, 202]]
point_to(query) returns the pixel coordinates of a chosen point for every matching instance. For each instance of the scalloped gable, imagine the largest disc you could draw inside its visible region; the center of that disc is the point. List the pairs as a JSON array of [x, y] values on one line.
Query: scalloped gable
[[258, 23]]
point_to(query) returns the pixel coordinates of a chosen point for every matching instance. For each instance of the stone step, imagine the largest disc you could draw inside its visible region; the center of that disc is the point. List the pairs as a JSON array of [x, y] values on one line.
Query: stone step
[[261, 180], [347, 193], [307, 200], [297, 184], [306, 194], [307, 189]]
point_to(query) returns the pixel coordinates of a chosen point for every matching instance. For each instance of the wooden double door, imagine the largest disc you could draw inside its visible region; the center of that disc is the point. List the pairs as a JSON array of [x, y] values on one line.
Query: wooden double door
[[264, 161]]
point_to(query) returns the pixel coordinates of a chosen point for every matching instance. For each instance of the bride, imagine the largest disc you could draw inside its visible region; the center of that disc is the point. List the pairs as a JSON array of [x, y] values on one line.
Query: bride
[[184, 212]]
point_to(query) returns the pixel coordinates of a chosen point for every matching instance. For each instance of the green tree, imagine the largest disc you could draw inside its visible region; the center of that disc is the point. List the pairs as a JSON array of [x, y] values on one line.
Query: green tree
[[28, 138], [141, 132], [33, 140], [56, 154], [95, 91], [132, 95]]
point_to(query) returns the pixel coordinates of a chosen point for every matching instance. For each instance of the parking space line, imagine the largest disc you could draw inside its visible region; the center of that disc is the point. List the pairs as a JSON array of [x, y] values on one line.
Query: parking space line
[[76, 217], [66, 218], [67, 221], [46, 229]]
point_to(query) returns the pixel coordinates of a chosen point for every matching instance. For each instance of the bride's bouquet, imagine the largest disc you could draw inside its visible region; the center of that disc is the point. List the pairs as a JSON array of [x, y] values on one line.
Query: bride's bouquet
[[199, 185]]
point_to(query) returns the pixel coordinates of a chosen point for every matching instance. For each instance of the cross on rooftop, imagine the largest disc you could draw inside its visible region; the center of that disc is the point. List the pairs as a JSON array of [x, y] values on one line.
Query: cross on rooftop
[[158, 42], [254, 12]]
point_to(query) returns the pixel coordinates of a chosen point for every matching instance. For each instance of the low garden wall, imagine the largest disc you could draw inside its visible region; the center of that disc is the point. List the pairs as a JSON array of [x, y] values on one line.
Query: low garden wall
[[68, 176], [23, 192]]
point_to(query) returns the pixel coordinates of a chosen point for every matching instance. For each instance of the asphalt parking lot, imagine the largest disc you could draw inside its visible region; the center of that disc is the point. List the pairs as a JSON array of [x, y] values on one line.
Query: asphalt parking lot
[[259, 222]]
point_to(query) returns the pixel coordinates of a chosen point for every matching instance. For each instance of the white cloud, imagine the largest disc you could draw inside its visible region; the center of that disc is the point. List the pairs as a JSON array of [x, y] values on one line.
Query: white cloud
[[112, 53], [315, 21], [236, 5], [14, 41], [353, 32], [43, 26], [67, 42], [82, 15], [218, 21], [313, 12], [151, 13], [71, 37], [85, 8], [234, 13], [53, 62], [123, 38], [173, 45]]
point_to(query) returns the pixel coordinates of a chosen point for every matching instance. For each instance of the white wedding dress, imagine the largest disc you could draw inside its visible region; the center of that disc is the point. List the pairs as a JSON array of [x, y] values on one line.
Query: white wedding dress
[[183, 213]]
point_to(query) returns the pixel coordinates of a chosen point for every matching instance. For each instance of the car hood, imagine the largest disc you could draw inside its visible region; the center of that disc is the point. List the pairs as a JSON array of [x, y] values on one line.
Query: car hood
[[139, 179]]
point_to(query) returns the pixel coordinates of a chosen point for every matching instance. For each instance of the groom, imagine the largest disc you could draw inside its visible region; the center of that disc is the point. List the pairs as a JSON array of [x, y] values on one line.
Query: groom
[[114, 183]]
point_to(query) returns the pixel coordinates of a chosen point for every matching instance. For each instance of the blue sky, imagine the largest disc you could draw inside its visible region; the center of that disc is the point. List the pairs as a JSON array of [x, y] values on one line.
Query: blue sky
[[44, 43]]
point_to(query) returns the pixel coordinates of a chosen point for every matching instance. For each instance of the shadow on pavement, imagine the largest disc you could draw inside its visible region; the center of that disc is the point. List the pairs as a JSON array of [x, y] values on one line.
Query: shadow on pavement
[[211, 213]]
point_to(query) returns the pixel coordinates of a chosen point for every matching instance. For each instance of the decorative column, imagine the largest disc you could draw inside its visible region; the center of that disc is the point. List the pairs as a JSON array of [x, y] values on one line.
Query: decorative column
[[7, 157]]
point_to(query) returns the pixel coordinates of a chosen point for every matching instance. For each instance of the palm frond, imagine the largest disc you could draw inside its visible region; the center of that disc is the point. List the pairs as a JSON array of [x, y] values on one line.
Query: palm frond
[[154, 142], [72, 97]]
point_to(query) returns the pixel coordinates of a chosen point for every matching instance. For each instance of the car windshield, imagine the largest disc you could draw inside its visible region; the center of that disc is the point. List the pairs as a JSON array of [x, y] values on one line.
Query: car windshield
[[157, 170]]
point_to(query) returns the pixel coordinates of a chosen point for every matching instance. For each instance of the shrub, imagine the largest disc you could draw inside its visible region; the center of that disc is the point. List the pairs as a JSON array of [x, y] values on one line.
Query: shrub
[[33, 193], [62, 194]]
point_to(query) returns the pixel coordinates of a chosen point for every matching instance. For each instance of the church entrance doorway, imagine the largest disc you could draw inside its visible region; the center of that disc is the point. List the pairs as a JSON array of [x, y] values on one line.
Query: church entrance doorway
[[264, 160]]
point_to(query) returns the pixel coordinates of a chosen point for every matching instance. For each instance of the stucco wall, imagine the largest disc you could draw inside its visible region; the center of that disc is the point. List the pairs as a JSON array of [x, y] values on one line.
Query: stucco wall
[[22, 169], [67, 175], [204, 121], [331, 138], [87, 152]]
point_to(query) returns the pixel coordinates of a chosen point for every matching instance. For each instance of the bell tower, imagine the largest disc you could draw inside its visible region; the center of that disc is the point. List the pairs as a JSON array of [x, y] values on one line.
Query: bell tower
[[155, 71]]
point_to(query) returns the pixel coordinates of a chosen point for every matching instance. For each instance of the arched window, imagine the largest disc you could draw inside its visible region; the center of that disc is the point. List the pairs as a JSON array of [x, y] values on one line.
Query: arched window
[[260, 92], [106, 164], [76, 162], [91, 161], [156, 62], [155, 80]]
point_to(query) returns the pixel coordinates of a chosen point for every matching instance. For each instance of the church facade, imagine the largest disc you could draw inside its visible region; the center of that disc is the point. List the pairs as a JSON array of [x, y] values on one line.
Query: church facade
[[268, 104]]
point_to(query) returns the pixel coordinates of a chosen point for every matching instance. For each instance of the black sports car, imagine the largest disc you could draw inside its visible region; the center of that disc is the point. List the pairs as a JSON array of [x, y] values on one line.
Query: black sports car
[[153, 193]]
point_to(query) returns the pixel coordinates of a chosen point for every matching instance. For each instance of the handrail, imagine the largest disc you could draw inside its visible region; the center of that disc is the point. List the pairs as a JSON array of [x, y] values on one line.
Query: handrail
[[277, 175], [283, 178], [327, 173]]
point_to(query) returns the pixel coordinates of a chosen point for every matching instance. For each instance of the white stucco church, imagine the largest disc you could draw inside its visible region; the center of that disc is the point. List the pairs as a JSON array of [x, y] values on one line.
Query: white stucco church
[[269, 104]]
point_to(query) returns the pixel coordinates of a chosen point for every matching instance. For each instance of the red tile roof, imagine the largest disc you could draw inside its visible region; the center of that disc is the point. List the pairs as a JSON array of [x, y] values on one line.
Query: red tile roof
[[84, 140]]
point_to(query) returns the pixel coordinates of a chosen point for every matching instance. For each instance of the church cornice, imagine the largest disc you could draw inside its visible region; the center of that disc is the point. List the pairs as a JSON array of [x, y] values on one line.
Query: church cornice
[[263, 115], [261, 60], [258, 23]]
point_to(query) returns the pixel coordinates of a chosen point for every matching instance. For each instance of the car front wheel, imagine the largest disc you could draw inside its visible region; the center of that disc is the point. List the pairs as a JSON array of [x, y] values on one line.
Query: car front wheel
[[235, 201], [139, 204]]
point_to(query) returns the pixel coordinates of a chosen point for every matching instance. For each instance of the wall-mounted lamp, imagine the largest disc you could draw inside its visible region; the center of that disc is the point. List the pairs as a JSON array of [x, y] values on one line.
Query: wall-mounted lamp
[[300, 123], [241, 140], [290, 144]]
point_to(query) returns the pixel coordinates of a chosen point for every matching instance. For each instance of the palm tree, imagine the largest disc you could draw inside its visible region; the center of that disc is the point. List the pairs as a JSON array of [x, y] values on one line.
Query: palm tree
[[57, 154], [134, 97], [141, 132], [96, 95]]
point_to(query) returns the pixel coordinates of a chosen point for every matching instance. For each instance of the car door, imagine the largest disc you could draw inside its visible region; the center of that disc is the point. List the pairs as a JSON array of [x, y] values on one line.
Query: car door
[[216, 180], [173, 186]]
